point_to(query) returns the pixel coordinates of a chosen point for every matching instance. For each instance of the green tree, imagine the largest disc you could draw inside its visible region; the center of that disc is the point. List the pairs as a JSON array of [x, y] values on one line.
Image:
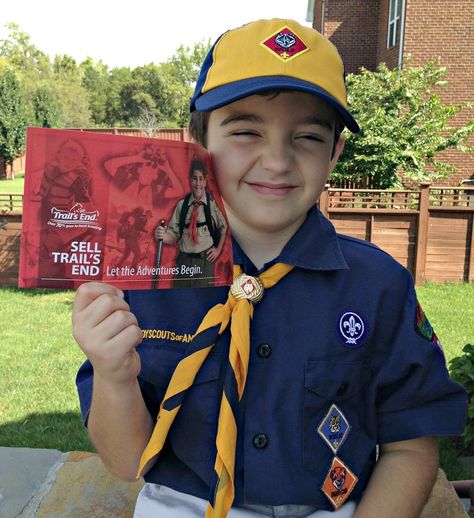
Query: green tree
[[65, 67], [22, 55], [187, 62], [72, 98], [95, 80], [404, 125], [180, 73], [118, 78], [45, 108], [13, 118]]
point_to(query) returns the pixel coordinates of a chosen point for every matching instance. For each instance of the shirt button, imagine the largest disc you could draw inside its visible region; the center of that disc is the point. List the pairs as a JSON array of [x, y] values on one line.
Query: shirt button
[[342, 390], [264, 350], [260, 441]]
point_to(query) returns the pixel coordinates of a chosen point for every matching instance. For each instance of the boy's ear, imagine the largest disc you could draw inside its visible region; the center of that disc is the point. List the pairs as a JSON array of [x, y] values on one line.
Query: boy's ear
[[338, 149]]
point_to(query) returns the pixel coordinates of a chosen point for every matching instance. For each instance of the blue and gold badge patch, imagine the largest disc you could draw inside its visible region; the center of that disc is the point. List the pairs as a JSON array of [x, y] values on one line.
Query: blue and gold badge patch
[[334, 428], [339, 483]]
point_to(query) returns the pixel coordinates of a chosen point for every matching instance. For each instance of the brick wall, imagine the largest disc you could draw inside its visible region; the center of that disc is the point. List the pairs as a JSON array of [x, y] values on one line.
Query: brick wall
[[352, 26], [389, 56], [319, 6], [435, 28]]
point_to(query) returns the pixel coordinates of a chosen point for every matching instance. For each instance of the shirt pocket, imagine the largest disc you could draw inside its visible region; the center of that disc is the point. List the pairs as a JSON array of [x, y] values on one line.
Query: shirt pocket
[[328, 383], [193, 434]]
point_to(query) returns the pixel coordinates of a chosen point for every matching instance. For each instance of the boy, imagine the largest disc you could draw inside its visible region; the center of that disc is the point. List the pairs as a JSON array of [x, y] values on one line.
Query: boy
[[339, 367], [199, 227]]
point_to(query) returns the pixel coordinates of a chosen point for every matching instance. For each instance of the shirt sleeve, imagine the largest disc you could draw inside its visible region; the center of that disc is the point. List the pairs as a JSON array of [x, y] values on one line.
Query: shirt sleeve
[[173, 226], [218, 217], [415, 396]]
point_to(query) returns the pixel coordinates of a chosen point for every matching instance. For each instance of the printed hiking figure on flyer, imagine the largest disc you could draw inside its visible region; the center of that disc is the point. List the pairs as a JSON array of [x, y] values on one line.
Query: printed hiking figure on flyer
[[147, 175], [199, 228]]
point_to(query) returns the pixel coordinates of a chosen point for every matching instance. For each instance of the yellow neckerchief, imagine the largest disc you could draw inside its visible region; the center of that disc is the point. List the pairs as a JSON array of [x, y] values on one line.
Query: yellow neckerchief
[[238, 310]]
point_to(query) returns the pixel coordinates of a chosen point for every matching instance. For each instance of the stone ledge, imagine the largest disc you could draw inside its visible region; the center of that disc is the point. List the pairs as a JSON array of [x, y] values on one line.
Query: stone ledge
[[39, 483], [84, 487], [50, 484], [443, 501]]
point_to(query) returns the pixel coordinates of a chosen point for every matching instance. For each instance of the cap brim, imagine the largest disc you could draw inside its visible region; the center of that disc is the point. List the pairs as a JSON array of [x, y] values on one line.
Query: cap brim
[[230, 92]]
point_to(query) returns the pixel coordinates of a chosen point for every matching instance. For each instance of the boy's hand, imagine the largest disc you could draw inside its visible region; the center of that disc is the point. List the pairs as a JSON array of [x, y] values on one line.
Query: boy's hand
[[107, 332], [213, 253]]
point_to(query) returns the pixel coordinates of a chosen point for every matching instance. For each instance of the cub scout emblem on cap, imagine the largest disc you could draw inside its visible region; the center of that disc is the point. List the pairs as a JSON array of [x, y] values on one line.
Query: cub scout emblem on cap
[[285, 44], [352, 329], [247, 287], [339, 483], [334, 428]]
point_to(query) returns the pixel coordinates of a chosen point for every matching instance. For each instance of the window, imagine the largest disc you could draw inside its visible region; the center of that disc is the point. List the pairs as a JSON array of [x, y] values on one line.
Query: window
[[393, 19]]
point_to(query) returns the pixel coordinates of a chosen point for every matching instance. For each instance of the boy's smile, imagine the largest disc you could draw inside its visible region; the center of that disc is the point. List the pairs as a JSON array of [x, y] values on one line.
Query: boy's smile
[[272, 157]]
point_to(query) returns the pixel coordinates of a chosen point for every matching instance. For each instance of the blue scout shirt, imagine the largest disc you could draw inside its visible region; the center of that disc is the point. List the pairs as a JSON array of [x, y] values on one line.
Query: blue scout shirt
[[338, 364]]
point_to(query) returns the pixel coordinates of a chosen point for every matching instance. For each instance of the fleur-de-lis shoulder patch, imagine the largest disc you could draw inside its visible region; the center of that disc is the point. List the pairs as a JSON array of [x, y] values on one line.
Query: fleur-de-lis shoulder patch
[[352, 329]]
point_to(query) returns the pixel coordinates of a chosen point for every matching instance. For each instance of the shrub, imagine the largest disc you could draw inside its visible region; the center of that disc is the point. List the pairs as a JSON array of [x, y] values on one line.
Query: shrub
[[462, 371]]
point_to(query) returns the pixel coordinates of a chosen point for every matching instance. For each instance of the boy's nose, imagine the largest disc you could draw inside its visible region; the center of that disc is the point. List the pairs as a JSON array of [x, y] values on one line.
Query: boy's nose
[[277, 157]]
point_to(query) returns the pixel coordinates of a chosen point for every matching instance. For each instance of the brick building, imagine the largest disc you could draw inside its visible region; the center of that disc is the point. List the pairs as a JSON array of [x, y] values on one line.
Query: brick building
[[368, 32]]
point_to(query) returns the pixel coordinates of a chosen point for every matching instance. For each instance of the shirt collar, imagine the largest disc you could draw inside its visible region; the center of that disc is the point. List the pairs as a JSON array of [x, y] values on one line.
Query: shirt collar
[[203, 200], [314, 246]]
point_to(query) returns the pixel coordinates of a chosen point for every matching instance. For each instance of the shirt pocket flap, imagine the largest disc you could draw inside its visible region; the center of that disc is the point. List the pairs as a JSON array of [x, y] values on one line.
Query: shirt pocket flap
[[159, 364], [335, 380]]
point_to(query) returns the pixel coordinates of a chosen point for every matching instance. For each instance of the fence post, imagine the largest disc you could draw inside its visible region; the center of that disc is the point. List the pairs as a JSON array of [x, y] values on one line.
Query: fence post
[[470, 264], [422, 233], [324, 201]]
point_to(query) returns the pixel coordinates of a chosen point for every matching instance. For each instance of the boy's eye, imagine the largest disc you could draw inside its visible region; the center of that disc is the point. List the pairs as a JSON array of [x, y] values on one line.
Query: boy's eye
[[244, 133], [311, 137]]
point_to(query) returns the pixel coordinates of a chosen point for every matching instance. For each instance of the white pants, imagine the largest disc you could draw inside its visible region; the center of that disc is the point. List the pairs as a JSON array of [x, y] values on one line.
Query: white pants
[[156, 501]]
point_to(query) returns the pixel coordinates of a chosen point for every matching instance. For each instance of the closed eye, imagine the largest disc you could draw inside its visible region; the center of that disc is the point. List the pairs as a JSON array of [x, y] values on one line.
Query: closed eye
[[311, 137], [245, 133]]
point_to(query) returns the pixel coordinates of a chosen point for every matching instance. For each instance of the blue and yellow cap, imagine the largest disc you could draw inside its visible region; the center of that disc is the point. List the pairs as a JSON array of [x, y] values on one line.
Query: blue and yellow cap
[[267, 55]]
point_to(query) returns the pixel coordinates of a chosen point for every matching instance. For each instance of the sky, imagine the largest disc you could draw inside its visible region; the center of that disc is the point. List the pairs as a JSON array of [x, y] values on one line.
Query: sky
[[134, 32]]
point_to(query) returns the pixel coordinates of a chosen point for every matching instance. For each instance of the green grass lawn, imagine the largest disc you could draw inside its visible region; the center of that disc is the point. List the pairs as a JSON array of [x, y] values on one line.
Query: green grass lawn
[[13, 186], [39, 360], [450, 310]]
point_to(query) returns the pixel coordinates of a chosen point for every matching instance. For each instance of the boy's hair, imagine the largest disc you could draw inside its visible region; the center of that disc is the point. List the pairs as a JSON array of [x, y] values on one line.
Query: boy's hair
[[269, 55], [197, 165]]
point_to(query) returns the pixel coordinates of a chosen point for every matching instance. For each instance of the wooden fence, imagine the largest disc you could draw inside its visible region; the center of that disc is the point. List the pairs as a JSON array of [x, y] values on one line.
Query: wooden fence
[[10, 233], [430, 231]]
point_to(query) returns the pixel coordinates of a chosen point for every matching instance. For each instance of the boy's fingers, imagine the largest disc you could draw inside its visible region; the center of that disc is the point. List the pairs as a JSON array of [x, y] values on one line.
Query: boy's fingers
[[100, 309], [89, 291]]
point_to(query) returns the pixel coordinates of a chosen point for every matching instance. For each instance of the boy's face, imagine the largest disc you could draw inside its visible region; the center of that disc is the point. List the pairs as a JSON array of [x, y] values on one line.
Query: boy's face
[[198, 184], [272, 157]]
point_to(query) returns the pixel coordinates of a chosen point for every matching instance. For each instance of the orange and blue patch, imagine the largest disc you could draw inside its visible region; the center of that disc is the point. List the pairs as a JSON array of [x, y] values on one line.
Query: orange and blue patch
[[339, 483]]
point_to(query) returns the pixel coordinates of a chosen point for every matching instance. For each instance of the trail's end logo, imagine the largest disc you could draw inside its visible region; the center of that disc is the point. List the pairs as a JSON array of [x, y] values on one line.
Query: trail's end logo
[[76, 217]]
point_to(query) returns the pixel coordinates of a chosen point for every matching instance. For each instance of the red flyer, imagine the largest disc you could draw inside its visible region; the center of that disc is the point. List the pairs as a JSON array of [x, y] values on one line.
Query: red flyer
[[135, 212]]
